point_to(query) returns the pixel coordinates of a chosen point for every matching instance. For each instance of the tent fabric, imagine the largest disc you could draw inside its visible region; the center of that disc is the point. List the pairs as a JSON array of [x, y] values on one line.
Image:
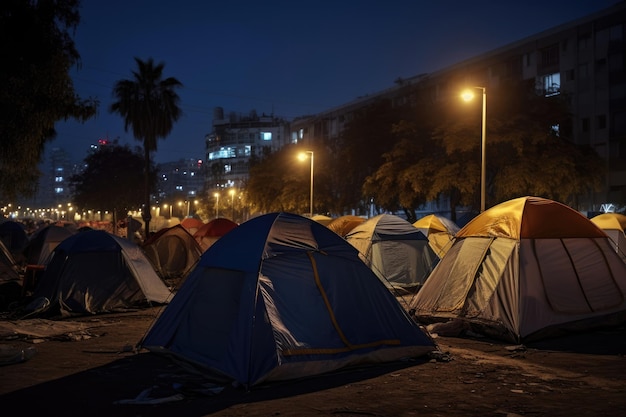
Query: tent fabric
[[14, 237], [322, 219], [95, 272], [211, 231], [191, 224], [9, 269], [173, 253], [439, 230], [343, 225], [614, 225], [282, 297], [530, 218], [43, 241], [517, 283], [395, 250]]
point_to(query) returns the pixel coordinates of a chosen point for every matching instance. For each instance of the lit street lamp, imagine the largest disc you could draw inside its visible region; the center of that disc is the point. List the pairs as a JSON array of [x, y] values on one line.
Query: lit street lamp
[[232, 202], [468, 95], [302, 156], [165, 206], [217, 204]]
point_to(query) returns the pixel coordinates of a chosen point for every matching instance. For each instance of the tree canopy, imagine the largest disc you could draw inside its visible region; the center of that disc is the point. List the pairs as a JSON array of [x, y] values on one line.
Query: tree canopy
[[111, 180], [37, 90], [529, 152]]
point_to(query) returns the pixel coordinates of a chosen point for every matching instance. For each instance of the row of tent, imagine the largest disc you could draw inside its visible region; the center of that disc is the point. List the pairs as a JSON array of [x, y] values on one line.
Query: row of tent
[[282, 296], [72, 272], [301, 303], [398, 252]]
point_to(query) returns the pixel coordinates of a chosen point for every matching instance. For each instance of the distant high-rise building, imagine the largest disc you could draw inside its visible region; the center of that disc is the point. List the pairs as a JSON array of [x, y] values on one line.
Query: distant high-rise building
[[181, 180]]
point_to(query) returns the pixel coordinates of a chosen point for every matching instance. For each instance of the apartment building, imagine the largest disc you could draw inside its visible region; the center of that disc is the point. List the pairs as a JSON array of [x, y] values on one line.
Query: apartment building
[[585, 59], [234, 140]]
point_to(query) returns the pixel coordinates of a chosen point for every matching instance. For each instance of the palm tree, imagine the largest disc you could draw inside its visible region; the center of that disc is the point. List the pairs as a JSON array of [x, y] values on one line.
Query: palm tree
[[149, 104]]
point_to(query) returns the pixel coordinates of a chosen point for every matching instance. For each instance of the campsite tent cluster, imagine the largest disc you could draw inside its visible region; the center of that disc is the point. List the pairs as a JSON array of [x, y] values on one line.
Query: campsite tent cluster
[[298, 297]]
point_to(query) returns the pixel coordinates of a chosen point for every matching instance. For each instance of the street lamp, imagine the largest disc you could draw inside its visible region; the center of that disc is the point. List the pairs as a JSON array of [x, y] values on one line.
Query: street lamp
[[217, 204], [188, 202], [302, 156], [468, 95], [232, 202]]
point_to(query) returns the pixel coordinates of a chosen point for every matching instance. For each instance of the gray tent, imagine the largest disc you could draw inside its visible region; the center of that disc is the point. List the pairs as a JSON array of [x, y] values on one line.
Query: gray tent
[[395, 250], [96, 272], [173, 252]]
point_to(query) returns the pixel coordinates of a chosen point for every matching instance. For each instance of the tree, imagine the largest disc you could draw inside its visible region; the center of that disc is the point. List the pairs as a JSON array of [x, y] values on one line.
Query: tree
[[37, 90], [110, 180], [149, 104], [359, 152], [276, 183], [525, 153]]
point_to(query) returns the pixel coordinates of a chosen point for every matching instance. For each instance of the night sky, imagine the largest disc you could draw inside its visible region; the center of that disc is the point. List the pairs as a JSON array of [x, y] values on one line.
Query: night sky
[[287, 58]]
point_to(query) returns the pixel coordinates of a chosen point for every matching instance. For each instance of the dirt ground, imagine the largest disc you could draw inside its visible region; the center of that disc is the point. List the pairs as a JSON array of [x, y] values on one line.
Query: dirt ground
[[92, 370]]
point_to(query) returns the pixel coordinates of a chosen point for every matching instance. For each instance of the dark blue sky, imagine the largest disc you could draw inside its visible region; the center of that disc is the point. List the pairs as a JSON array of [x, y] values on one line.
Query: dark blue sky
[[285, 57]]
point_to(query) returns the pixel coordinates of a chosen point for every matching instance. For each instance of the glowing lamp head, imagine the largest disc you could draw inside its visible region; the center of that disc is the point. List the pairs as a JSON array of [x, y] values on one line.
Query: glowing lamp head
[[467, 95]]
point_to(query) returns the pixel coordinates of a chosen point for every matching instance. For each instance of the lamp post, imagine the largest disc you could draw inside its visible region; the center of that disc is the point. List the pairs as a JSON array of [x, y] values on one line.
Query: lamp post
[[232, 202], [302, 156], [217, 204], [188, 202], [467, 95], [166, 206]]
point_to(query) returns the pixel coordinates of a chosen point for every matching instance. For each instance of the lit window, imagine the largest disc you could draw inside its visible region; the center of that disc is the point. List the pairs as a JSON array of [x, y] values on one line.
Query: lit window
[[58, 179], [222, 153], [58, 190], [552, 84], [556, 129], [266, 135]]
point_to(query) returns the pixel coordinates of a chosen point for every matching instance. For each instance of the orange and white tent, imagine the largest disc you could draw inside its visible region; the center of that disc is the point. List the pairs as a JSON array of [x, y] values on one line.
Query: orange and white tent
[[527, 269]]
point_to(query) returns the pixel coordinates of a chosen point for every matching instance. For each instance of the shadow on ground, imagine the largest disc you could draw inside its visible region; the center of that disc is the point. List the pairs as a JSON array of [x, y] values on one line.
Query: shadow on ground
[[97, 392]]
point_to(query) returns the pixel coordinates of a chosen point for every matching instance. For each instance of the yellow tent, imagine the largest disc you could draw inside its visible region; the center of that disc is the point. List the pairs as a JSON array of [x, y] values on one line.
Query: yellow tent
[[344, 224], [614, 225], [439, 230]]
